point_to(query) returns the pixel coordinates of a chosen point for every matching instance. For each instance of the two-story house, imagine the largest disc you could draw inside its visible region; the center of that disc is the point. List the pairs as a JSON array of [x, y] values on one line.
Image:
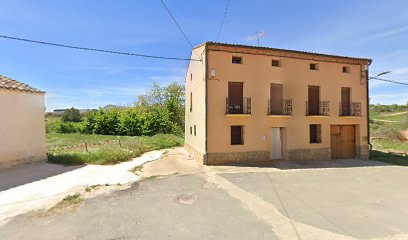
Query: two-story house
[[248, 104]]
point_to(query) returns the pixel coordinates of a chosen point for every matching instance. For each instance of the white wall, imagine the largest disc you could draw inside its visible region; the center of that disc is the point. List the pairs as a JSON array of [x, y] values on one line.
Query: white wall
[[22, 127]]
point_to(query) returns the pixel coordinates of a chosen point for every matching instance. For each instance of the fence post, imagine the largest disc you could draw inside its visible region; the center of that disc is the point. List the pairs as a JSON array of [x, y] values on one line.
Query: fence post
[[120, 145], [86, 147]]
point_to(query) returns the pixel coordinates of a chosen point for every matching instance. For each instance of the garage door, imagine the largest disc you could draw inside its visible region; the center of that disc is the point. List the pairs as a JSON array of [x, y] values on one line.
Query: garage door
[[343, 141]]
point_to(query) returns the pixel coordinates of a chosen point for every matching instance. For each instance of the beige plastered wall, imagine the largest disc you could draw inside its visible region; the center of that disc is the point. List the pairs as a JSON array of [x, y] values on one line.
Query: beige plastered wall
[[195, 145], [22, 128], [257, 74]]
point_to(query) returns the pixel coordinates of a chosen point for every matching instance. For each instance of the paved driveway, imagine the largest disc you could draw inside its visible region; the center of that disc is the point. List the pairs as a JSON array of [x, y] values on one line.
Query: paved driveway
[[347, 199]]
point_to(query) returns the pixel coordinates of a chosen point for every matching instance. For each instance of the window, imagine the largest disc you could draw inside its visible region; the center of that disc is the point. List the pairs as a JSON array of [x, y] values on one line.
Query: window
[[315, 133], [346, 69], [276, 63], [191, 77], [191, 101], [191, 130], [237, 135], [237, 60], [314, 66], [195, 130]]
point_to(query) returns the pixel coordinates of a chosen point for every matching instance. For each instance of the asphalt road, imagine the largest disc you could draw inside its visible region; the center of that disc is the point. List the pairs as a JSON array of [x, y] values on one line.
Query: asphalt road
[[348, 199]]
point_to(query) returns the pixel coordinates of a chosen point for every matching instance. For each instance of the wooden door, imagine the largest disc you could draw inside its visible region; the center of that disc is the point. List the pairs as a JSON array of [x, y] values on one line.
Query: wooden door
[[343, 141], [276, 93], [313, 100], [235, 96], [276, 144], [345, 101]]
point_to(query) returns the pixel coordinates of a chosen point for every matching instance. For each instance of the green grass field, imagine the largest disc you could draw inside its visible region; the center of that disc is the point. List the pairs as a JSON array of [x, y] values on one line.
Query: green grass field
[[386, 123], [103, 149]]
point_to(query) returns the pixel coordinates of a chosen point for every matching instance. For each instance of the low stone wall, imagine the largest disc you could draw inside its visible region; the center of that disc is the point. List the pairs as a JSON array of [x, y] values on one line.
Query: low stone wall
[[198, 156], [237, 158], [309, 154]]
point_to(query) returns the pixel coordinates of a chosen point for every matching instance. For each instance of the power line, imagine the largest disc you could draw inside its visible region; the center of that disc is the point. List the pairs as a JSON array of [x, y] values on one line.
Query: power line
[[391, 81], [94, 49], [223, 18], [182, 32]]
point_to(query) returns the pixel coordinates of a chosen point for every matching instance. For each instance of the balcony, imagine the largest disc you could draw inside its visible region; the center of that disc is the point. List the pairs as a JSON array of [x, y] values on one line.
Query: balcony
[[321, 108], [282, 107], [240, 106], [350, 109]]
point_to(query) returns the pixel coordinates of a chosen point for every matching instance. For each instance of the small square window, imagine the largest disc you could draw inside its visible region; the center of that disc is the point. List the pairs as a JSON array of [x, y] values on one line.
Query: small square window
[[237, 60], [314, 66], [346, 69], [195, 130], [315, 133], [276, 63], [191, 130], [237, 137]]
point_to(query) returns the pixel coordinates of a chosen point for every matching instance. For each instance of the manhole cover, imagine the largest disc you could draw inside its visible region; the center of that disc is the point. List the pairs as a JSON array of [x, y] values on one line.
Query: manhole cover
[[187, 199]]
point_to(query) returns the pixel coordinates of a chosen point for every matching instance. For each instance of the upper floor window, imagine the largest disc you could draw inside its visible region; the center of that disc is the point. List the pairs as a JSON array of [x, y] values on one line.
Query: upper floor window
[[314, 66], [346, 69], [195, 130], [237, 60], [191, 130], [276, 63], [191, 77]]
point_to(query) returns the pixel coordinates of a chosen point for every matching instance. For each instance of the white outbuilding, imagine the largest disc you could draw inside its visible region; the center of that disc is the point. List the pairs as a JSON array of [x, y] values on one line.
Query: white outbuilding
[[22, 123]]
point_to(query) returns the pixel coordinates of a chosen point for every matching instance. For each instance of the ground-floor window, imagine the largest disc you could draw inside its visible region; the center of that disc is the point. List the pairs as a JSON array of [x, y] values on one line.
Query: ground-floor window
[[237, 135], [315, 133]]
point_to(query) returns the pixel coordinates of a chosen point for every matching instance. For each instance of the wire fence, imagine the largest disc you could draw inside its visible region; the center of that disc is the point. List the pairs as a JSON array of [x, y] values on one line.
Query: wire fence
[[85, 146]]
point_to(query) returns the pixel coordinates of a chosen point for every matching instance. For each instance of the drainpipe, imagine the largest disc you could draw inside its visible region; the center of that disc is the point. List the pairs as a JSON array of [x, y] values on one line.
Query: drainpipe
[[206, 103], [370, 147]]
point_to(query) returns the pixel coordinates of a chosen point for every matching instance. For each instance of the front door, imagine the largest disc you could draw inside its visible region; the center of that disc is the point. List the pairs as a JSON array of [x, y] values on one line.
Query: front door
[[276, 144], [343, 141]]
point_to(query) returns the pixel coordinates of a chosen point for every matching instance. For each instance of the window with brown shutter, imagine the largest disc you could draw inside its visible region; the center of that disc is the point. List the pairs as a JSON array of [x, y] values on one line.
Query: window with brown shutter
[[315, 133], [237, 135]]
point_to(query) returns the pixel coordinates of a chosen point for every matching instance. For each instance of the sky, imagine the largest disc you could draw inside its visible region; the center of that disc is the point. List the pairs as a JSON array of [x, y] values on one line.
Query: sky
[[365, 28]]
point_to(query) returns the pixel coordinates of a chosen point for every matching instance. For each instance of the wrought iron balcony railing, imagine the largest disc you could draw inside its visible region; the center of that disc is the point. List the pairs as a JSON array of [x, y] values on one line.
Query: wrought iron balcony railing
[[321, 108], [350, 109], [243, 107], [280, 107]]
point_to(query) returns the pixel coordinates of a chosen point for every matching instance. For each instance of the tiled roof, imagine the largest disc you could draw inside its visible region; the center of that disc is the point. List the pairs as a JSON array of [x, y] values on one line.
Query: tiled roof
[[11, 84], [284, 50]]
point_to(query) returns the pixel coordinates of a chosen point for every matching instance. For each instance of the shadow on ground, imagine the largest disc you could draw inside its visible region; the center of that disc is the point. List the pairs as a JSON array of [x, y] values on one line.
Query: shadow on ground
[[20, 175], [340, 163]]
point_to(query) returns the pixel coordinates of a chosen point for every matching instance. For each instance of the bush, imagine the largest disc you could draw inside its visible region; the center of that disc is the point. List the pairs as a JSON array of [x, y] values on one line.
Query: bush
[[71, 115], [131, 122]]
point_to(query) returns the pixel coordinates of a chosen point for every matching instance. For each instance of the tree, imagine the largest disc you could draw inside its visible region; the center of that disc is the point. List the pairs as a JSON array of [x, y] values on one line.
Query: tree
[[71, 115]]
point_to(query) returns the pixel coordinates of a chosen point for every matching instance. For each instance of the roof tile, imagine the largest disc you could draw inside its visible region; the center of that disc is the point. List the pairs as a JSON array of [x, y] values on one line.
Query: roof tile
[[11, 84]]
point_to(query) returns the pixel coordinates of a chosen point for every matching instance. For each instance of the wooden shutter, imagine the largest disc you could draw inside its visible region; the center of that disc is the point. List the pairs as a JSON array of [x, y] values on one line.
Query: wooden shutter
[[313, 99]]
